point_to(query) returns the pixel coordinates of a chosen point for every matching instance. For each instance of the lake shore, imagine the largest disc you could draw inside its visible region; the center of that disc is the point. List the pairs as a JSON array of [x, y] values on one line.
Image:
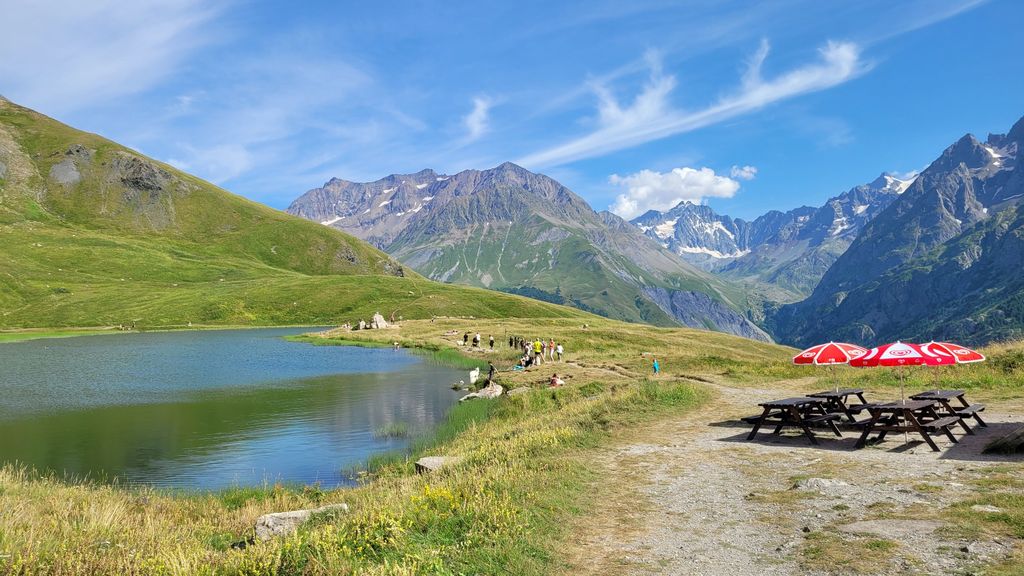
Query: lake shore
[[532, 475]]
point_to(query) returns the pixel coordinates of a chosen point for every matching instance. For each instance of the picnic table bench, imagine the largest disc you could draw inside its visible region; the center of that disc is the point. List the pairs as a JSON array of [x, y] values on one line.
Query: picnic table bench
[[962, 412], [801, 412], [836, 401], [918, 416]]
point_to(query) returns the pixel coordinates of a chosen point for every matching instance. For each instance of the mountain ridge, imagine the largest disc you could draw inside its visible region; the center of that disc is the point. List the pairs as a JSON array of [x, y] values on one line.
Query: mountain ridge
[[510, 229]]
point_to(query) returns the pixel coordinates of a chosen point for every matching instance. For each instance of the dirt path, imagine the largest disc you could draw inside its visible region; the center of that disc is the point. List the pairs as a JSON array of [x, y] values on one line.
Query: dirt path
[[689, 495]]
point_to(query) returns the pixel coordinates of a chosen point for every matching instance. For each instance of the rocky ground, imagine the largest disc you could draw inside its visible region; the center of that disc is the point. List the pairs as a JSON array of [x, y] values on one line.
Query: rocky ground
[[691, 496]]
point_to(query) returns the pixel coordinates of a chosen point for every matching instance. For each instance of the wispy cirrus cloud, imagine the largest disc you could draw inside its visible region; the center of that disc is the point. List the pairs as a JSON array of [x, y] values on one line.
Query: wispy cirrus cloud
[[64, 56], [651, 116]]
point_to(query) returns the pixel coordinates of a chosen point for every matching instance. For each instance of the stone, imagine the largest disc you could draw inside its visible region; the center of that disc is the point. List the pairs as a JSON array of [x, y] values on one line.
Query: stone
[[820, 484], [986, 508], [378, 322], [474, 375], [362, 325], [283, 523], [487, 392], [434, 463]]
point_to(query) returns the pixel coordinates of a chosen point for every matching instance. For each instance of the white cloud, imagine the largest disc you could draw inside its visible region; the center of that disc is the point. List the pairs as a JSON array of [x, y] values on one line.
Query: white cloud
[[651, 116], [477, 122], [743, 172], [62, 56], [647, 189]]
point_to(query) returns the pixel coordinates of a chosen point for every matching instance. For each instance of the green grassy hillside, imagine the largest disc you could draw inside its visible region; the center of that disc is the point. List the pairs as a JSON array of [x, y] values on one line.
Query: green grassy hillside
[[93, 234]]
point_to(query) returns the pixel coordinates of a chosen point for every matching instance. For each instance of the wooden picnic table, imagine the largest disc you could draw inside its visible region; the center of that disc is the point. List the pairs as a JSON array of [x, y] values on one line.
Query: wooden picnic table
[[963, 412], [836, 400], [801, 412], [918, 416]]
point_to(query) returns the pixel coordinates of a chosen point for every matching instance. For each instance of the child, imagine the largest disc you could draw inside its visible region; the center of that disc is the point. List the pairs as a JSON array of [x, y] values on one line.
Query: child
[[654, 364]]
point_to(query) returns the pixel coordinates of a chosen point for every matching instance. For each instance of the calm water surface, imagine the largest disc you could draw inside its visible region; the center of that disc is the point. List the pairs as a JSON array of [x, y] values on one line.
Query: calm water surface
[[210, 409]]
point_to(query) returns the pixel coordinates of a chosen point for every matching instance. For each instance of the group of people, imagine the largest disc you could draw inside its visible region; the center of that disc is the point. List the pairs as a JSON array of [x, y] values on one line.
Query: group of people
[[476, 340], [536, 352]]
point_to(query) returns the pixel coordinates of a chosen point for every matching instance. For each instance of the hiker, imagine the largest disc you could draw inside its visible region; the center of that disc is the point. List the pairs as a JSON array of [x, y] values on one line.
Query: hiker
[[536, 351], [492, 342], [476, 340], [490, 372], [551, 349], [559, 351], [465, 339], [511, 341], [657, 368], [556, 381]]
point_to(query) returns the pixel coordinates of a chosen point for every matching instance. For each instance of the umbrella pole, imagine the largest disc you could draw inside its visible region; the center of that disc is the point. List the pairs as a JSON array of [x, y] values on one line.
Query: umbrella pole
[[903, 399]]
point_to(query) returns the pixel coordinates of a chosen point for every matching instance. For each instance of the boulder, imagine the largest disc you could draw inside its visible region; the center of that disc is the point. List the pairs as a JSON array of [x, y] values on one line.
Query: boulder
[[434, 463], [474, 375], [283, 523], [378, 322], [491, 391], [820, 484], [362, 325]]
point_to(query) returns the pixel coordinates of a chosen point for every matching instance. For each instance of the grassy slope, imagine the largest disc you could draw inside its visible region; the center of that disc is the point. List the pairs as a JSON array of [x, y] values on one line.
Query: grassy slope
[[104, 252], [565, 265]]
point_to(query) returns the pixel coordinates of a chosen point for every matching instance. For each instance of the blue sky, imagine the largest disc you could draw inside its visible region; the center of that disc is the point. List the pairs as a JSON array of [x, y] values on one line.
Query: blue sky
[[748, 106]]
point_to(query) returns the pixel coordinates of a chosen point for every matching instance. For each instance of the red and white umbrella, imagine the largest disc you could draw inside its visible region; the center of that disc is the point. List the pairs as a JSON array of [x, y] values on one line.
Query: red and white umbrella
[[900, 354], [830, 354], [960, 354]]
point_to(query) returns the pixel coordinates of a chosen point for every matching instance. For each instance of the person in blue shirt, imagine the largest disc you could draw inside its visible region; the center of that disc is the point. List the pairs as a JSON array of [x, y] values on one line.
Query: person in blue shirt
[[657, 369]]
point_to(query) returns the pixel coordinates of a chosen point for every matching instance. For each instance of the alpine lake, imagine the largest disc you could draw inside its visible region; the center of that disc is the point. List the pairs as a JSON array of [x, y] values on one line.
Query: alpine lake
[[212, 409]]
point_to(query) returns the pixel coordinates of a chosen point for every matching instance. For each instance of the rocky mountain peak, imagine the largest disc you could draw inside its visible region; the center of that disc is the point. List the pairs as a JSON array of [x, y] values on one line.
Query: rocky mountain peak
[[967, 150], [1016, 133]]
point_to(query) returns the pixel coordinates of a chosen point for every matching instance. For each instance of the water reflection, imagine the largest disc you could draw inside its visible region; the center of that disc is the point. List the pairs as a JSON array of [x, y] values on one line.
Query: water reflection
[[171, 422]]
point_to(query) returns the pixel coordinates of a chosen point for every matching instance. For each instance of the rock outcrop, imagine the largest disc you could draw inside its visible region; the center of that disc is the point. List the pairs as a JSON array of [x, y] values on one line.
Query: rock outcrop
[[283, 523], [491, 391]]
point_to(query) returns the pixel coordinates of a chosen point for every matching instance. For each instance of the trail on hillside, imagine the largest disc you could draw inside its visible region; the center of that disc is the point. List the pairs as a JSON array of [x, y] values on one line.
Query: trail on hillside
[[689, 495]]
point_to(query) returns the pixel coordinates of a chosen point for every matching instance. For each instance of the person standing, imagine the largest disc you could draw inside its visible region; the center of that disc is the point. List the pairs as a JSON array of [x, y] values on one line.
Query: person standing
[[536, 351], [551, 349], [476, 340], [465, 339], [492, 342], [511, 341], [655, 366], [559, 350], [490, 372]]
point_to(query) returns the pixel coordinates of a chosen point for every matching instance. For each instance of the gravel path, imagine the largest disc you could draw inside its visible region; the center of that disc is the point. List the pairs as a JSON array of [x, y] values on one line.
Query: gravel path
[[690, 496]]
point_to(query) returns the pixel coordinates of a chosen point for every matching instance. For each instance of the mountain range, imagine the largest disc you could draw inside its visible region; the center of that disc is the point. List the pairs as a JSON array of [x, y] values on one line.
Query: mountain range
[[805, 275], [944, 260], [788, 252], [94, 233], [509, 229]]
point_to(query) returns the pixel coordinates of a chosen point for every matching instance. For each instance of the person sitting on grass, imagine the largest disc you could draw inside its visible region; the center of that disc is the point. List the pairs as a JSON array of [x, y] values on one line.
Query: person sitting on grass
[[556, 381]]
